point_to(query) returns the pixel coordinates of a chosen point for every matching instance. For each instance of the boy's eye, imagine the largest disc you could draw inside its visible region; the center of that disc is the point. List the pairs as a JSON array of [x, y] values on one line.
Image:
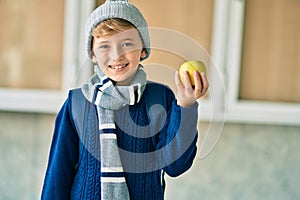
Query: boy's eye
[[104, 46], [127, 44]]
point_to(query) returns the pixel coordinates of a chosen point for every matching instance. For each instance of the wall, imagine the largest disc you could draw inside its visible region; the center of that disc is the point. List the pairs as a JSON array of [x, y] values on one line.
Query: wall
[[25, 140], [249, 162]]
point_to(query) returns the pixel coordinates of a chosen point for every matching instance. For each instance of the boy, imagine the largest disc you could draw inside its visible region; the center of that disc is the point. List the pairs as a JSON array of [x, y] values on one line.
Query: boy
[[124, 143]]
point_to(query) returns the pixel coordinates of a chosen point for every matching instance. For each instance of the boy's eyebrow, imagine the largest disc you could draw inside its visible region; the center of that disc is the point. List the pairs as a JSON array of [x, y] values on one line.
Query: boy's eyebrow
[[102, 42], [130, 39]]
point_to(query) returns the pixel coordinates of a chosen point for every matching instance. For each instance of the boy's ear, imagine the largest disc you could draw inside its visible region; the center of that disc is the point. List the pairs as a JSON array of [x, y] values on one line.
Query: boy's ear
[[143, 53]]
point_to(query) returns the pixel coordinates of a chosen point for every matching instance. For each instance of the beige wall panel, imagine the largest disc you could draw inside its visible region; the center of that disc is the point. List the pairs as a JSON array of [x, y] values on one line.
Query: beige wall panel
[[271, 54], [31, 44], [191, 17]]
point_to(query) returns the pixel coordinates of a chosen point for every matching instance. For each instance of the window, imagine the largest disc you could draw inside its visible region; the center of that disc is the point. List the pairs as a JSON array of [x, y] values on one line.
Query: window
[[270, 61], [262, 65], [31, 45], [40, 52], [254, 46]]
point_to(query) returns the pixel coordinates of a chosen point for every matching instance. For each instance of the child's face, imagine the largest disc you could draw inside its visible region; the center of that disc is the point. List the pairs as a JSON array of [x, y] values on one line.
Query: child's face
[[118, 55]]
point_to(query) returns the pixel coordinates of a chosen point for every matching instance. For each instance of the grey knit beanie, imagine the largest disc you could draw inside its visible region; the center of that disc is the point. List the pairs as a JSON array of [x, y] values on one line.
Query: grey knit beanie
[[117, 9]]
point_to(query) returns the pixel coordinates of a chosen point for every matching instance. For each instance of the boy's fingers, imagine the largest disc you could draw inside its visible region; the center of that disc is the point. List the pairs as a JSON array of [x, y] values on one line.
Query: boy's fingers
[[178, 82], [198, 84], [187, 82], [205, 83]]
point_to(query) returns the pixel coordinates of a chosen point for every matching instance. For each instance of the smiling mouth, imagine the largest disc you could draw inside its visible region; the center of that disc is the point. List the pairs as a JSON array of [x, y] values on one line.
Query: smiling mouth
[[118, 66]]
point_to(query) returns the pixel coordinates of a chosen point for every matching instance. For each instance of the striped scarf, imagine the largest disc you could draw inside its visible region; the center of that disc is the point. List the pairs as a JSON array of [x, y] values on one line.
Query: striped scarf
[[101, 91]]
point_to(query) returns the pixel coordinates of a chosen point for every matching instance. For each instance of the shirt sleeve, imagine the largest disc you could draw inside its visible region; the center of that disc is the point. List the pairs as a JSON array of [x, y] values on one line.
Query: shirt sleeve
[[63, 156], [178, 138], [181, 139]]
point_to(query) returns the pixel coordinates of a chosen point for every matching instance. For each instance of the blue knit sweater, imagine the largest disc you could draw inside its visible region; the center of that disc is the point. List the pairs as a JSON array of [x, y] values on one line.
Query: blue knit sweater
[[74, 173]]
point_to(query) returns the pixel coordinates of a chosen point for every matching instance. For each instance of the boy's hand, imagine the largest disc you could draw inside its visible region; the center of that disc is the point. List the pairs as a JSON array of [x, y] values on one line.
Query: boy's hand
[[186, 94]]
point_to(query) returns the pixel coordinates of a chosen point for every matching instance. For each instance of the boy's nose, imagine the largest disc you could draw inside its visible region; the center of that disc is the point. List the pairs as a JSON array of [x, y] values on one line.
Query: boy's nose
[[117, 53]]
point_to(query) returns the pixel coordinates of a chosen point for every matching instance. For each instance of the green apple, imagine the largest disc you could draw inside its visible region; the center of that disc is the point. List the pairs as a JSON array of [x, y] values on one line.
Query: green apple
[[190, 67]]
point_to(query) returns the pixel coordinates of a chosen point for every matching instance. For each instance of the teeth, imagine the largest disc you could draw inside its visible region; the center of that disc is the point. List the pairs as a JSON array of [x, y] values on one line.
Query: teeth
[[118, 67]]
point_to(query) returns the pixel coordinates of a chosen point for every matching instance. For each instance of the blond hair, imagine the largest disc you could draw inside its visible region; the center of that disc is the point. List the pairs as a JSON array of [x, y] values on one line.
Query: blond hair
[[111, 26]]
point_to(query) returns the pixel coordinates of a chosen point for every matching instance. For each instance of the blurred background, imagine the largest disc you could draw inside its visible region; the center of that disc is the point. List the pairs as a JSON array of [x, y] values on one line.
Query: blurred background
[[254, 47]]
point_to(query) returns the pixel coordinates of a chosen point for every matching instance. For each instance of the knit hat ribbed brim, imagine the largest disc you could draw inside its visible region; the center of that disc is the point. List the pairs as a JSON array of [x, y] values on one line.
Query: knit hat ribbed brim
[[117, 9]]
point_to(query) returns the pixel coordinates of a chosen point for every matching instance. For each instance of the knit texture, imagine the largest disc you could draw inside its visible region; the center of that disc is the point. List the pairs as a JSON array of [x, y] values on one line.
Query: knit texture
[[101, 91], [73, 171]]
